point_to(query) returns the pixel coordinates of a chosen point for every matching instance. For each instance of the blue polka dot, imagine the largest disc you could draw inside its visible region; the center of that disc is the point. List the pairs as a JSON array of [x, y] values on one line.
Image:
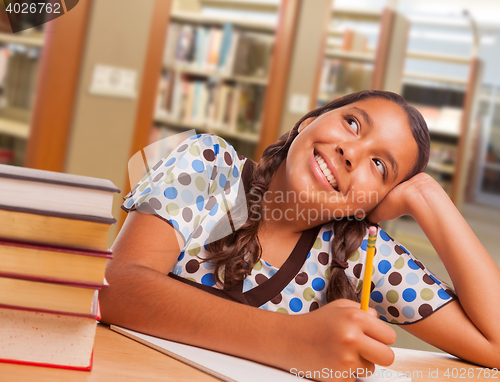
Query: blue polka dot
[[435, 279], [222, 180], [174, 223], [408, 312], [183, 163], [181, 256], [443, 295], [412, 278], [272, 272], [216, 149], [177, 270], [208, 279], [383, 235], [380, 282], [308, 255], [198, 165], [208, 265], [377, 296], [295, 304], [247, 285], [312, 268], [380, 310], [131, 202], [409, 294], [200, 202], [185, 231], [364, 244], [170, 193], [147, 190], [209, 170], [318, 284], [384, 249], [207, 139], [195, 136], [170, 162], [269, 265], [235, 172], [187, 196], [384, 266], [290, 289], [214, 209], [412, 264], [383, 318], [209, 225], [264, 307], [327, 235]]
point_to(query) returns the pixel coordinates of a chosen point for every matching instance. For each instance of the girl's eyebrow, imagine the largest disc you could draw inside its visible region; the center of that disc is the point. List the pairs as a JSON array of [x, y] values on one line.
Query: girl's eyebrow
[[369, 121]]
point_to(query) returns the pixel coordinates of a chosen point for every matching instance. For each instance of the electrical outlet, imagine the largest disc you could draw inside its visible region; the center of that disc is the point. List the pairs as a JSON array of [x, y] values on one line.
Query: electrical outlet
[[113, 81]]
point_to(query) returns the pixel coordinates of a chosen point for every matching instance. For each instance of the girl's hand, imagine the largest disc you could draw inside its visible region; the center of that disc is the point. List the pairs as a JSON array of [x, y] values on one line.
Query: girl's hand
[[341, 338], [402, 198]]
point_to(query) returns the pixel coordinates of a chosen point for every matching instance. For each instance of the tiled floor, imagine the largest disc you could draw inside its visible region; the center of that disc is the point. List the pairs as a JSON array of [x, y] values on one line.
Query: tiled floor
[[484, 221]]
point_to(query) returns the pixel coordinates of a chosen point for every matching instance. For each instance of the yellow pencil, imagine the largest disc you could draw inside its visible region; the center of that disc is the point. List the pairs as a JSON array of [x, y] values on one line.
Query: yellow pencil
[[367, 279]]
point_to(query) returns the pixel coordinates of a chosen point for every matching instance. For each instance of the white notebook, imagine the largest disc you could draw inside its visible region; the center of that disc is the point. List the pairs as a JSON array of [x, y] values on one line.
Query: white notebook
[[233, 369]]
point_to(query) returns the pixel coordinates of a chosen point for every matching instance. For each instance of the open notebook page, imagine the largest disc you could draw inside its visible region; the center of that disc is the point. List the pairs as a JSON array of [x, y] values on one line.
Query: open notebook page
[[229, 368]]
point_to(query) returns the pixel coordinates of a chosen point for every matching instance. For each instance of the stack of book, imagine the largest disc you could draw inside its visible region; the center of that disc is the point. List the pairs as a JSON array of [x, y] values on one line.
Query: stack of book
[[53, 251]]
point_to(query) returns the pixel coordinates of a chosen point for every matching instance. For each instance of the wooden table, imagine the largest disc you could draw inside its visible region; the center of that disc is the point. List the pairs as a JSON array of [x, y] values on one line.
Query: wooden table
[[117, 358]]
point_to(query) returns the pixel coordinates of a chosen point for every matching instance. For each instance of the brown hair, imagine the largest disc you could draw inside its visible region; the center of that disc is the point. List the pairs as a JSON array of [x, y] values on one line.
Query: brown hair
[[237, 253]]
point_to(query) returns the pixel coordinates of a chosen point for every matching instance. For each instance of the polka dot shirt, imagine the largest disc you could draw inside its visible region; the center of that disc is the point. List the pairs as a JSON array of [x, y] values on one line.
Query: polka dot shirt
[[198, 183]]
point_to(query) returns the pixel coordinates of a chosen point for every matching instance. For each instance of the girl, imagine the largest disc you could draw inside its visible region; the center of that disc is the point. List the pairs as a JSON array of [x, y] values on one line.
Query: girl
[[289, 235]]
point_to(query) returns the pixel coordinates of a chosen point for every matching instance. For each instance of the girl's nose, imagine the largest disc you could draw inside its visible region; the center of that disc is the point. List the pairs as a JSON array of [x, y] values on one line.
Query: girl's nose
[[349, 154]]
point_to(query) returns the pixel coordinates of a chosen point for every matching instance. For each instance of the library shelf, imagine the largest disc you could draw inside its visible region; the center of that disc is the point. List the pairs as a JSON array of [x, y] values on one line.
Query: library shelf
[[204, 128], [14, 128], [32, 40], [186, 69], [351, 56]]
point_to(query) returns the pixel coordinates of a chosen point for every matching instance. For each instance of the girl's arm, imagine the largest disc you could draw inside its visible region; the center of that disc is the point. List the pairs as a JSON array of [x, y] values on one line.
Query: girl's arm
[[467, 328], [142, 297]]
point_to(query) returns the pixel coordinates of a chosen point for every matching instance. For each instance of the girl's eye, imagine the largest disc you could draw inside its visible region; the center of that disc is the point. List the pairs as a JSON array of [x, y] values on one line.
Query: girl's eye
[[381, 166], [353, 124]]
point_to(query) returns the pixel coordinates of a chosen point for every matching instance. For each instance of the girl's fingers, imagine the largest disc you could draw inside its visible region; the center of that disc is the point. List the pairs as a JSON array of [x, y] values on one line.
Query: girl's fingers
[[379, 331], [376, 352]]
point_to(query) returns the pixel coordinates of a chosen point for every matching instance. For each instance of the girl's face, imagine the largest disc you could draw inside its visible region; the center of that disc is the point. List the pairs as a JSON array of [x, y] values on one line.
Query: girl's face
[[368, 148]]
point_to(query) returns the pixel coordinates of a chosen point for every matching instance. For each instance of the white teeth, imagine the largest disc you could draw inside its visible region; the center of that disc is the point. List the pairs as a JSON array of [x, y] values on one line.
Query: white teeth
[[326, 171]]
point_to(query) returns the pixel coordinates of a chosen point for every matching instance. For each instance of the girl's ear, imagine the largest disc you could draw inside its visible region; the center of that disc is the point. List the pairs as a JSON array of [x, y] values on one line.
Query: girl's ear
[[305, 123]]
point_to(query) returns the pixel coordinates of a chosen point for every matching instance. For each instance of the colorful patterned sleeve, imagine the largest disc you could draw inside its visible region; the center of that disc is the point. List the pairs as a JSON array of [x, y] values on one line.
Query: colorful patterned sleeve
[[403, 290], [189, 186]]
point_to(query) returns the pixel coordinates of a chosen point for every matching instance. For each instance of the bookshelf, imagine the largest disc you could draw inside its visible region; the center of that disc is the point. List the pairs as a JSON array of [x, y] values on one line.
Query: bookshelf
[[353, 61], [19, 66], [215, 73], [449, 106]]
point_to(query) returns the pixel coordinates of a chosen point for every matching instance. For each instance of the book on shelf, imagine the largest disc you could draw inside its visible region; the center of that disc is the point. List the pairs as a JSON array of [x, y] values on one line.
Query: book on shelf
[[48, 339], [49, 207], [225, 50]]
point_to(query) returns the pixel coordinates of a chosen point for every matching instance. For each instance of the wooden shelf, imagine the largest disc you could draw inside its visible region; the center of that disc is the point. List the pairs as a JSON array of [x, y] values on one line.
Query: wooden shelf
[[252, 138], [33, 40], [440, 167], [438, 57], [187, 17], [247, 5], [14, 128], [203, 73], [351, 56], [358, 14], [436, 78]]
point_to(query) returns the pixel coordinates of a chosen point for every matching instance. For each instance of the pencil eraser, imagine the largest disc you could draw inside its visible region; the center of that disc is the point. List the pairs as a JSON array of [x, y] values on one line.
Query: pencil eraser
[[373, 230]]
